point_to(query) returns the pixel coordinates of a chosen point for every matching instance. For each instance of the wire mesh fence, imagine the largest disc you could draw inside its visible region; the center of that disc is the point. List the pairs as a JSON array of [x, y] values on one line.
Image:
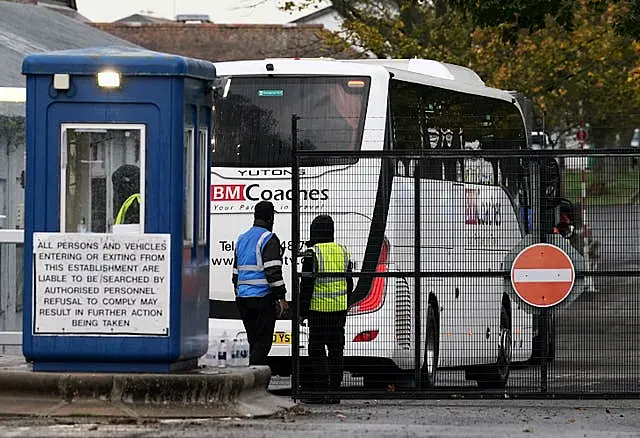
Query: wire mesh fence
[[444, 303]]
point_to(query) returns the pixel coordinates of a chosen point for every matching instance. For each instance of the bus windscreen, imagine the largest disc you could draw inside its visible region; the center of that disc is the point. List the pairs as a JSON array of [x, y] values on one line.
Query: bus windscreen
[[252, 117]]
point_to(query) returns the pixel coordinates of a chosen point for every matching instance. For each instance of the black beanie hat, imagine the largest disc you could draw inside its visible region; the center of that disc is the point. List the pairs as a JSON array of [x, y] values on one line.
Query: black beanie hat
[[264, 211], [321, 231]]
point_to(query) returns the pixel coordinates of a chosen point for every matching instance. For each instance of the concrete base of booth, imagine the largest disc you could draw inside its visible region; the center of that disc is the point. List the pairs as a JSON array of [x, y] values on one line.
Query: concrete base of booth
[[205, 392], [115, 367]]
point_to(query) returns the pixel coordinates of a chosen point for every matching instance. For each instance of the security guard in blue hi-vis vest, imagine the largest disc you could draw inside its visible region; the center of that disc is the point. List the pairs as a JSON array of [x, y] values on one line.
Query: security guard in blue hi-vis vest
[[324, 302], [257, 279]]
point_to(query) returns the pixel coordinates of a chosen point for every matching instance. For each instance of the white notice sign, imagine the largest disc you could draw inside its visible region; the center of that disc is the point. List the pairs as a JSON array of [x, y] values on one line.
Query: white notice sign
[[101, 284]]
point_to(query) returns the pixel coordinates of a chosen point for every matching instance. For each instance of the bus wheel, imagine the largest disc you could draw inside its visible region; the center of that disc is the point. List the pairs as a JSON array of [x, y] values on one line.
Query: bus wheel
[[376, 382], [496, 376], [431, 350]]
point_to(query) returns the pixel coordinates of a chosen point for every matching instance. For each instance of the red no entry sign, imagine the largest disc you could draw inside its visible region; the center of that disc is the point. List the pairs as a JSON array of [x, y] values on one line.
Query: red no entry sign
[[542, 275]]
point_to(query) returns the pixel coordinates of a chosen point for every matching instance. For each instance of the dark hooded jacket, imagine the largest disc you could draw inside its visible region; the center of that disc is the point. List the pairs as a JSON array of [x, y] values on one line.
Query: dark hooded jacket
[[321, 231], [272, 251]]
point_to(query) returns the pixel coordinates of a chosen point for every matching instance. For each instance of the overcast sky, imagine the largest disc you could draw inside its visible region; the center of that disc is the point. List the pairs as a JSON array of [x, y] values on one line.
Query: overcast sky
[[219, 11]]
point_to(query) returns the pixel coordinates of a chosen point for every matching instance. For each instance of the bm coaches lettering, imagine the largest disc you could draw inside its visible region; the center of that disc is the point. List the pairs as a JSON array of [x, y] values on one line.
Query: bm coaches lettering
[[253, 192]]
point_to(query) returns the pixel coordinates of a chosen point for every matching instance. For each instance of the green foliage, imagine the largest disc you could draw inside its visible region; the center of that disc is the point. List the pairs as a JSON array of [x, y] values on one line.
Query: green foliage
[[526, 15], [12, 132], [588, 72], [407, 28], [621, 190], [629, 24]]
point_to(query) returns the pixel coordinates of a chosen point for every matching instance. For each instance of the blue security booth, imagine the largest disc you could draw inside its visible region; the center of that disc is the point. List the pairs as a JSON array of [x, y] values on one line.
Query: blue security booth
[[116, 210]]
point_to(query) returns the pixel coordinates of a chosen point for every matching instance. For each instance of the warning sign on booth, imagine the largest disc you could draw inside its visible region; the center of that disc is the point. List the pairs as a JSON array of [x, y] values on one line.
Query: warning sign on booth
[[101, 284]]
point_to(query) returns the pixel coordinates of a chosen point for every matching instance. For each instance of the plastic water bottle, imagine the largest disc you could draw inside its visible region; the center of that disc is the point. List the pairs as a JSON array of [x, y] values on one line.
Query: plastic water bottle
[[210, 358], [244, 352], [235, 353], [222, 354]]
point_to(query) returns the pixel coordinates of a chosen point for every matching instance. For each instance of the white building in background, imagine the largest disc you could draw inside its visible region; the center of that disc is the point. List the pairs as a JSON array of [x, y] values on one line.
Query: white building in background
[[327, 16], [220, 11]]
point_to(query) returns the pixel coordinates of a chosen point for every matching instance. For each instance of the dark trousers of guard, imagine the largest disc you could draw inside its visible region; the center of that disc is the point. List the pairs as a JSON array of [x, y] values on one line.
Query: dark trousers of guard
[[326, 329], [259, 318]]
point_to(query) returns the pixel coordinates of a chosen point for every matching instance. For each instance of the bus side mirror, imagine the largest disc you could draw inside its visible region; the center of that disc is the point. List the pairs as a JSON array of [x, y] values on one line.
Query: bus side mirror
[[22, 179]]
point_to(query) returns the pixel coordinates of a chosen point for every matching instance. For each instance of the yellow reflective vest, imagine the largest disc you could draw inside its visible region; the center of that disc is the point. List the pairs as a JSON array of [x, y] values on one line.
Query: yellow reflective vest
[[330, 293], [125, 206]]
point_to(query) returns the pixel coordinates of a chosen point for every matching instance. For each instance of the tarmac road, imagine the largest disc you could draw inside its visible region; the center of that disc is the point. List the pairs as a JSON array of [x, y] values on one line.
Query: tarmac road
[[399, 418]]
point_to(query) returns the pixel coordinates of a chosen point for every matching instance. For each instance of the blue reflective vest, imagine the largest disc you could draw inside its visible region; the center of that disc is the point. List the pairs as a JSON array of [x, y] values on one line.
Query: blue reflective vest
[[252, 281]]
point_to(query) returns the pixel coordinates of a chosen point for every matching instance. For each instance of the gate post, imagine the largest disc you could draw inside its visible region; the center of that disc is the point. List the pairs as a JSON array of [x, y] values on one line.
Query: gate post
[[539, 236], [417, 273]]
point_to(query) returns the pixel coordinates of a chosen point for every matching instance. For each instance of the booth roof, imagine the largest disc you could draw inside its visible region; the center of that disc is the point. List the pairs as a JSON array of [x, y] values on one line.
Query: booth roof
[[129, 61]]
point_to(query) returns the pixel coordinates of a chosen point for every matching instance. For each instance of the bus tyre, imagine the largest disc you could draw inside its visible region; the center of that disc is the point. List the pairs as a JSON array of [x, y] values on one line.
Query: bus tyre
[[431, 350], [376, 382], [496, 376]]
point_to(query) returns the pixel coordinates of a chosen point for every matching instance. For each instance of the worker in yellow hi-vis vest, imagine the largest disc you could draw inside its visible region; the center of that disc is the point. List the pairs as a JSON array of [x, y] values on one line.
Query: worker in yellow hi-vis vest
[[122, 213], [126, 194], [324, 302]]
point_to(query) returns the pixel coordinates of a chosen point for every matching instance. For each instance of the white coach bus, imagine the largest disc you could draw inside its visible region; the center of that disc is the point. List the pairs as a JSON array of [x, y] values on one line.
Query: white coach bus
[[472, 209]]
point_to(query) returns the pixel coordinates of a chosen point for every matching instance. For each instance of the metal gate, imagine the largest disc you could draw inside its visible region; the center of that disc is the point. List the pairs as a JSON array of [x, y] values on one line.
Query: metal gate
[[437, 309]]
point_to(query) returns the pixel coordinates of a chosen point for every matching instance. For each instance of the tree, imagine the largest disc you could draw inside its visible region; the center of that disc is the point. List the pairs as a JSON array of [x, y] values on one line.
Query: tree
[[589, 72], [629, 24], [523, 14], [402, 28]]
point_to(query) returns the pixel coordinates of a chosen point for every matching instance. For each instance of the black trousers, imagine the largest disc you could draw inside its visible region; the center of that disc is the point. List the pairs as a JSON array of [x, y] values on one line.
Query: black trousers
[[259, 318], [326, 329]]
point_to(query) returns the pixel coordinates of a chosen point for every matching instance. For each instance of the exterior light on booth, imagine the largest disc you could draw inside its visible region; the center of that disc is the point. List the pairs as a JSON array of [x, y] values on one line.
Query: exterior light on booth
[[109, 79], [61, 81]]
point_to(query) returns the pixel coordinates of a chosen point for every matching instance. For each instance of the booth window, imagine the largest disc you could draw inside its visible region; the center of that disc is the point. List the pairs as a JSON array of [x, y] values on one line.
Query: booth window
[[101, 178], [188, 150], [203, 194]]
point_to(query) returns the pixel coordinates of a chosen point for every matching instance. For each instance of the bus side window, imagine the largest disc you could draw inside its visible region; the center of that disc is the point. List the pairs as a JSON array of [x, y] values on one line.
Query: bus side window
[[405, 167], [479, 171]]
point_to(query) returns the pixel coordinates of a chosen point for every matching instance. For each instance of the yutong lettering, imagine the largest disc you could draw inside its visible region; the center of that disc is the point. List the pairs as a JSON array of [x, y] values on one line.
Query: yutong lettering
[[253, 192], [267, 172]]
